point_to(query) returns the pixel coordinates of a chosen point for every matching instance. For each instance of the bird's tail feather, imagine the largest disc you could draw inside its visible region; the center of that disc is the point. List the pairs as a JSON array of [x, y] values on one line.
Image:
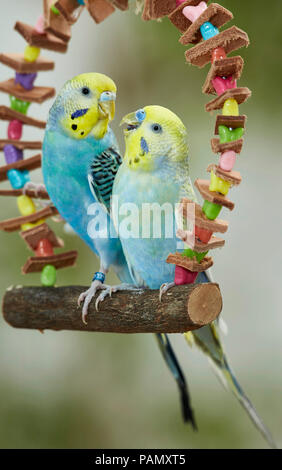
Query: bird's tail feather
[[174, 367], [207, 339]]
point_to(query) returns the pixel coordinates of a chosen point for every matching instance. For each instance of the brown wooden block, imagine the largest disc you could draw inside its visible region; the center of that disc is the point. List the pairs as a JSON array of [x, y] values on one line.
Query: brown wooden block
[[239, 94], [70, 9], [99, 9], [121, 4], [44, 41], [215, 13], [38, 94], [236, 146], [231, 39], [55, 24], [229, 121], [8, 114], [29, 192], [232, 177], [191, 264], [11, 225], [33, 236], [197, 245], [154, 9], [178, 19], [223, 68], [25, 164], [63, 260], [17, 62], [21, 144], [211, 196], [217, 225]]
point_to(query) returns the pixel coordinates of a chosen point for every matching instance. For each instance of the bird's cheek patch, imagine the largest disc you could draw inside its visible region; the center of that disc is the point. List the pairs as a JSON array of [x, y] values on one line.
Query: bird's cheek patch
[[144, 146], [80, 122]]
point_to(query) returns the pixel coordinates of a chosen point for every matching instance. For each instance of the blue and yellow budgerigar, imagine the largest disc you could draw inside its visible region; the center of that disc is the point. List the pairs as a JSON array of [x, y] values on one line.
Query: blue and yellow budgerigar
[[80, 161], [155, 170]]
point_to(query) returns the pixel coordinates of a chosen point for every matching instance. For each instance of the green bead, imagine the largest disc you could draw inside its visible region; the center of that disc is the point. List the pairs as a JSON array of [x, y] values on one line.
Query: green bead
[[55, 10], [19, 105], [48, 275], [229, 135], [191, 254], [211, 210]]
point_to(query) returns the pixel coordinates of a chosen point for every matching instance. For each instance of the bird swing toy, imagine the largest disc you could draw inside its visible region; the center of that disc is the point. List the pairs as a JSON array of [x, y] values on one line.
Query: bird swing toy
[[194, 306]]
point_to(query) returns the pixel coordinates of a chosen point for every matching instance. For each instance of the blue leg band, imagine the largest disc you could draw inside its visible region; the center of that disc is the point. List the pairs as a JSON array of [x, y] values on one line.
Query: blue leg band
[[99, 277]]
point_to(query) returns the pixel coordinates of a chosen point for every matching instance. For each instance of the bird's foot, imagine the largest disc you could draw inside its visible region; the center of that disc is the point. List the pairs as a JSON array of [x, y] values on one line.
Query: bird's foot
[[110, 289], [88, 295], [164, 288], [37, 188]]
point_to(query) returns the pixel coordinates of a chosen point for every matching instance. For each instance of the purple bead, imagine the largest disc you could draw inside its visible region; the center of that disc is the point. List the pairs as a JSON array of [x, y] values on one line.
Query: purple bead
[[12, 154], [26, 80]]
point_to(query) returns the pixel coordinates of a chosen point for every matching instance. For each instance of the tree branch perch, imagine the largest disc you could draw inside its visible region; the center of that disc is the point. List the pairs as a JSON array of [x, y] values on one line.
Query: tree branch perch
[[182, 309]]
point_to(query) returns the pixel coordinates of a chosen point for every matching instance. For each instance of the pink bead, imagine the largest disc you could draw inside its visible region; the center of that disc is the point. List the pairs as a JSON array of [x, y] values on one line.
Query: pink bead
[[15, 130], [222, 84], [193, 13], [39, 25], [183, 276], [227, 160], [179, 2]]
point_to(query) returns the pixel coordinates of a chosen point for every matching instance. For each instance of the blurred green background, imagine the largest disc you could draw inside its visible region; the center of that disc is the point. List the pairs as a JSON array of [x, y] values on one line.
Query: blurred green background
[[113, 391]]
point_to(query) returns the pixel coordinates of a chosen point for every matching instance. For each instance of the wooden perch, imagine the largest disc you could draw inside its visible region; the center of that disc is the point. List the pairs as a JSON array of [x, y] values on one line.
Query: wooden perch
[[182, 309]]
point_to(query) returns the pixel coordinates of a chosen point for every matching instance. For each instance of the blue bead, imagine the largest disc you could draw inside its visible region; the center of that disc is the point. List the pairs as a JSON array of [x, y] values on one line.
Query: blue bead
[[99, 277], [81, 2], [208, 30], [18, 178]]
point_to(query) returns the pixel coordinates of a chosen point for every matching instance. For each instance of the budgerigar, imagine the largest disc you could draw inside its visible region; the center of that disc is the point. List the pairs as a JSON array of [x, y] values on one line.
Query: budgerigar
[[80, 160], [155, 169]]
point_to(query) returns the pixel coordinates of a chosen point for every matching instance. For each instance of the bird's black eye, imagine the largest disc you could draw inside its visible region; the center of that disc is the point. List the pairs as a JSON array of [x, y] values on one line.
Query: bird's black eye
[[85, 90], [157, 128]]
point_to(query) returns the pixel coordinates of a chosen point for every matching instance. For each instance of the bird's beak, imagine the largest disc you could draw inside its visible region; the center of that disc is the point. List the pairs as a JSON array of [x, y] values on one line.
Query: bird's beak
[[131, 123], [106, 113]]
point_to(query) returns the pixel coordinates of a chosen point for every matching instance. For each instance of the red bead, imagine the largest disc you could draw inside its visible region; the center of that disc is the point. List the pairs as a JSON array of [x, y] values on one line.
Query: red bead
[[184, 276], [15, 130], [203, 234], [218, 54], [44, 248]]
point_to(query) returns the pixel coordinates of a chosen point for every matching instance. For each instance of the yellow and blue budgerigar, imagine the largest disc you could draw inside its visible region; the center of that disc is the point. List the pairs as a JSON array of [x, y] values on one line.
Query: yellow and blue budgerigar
[[155, 170], [80, 161]]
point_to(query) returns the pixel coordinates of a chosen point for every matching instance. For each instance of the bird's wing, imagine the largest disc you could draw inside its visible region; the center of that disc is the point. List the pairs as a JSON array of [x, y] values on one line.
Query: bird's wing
[[102, 174]]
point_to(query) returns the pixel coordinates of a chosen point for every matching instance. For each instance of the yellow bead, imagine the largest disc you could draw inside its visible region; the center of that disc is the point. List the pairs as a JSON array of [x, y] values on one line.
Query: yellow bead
[[30, 225], [219, 185], [26, 205], [31, 53], [230, 108]]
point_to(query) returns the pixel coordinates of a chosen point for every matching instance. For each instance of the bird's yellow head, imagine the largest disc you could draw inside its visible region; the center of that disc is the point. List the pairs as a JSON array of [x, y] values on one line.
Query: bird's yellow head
[[86, 104], [153, 134]]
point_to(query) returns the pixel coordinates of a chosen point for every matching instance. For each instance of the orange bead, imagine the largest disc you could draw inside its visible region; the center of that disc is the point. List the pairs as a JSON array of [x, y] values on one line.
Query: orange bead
[[44, 248], [218, 54], [203, 234]]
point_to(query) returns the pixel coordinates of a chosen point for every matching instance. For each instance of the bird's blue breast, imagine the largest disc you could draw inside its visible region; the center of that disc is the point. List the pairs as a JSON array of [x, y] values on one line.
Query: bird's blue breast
[[65, 166], [147, 256]]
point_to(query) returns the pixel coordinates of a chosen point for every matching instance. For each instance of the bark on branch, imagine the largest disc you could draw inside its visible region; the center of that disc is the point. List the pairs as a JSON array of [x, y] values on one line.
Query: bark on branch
[[182, 309]]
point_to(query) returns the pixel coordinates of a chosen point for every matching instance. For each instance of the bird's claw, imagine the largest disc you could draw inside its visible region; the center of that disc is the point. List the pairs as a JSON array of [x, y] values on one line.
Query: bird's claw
[[103, 295], [87, 296], [164, 288]]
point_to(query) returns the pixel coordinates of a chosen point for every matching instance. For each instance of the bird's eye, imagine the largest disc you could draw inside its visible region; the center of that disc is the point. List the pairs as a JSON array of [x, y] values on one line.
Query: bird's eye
[[157, 128], [85, 90]]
